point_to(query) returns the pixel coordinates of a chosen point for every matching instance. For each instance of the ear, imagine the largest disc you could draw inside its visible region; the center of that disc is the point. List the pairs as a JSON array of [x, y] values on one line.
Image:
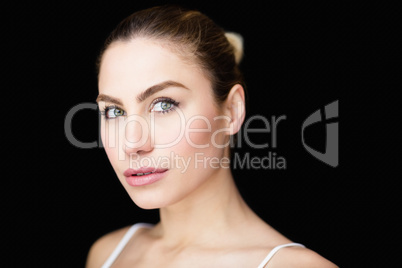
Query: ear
[[235, 108]]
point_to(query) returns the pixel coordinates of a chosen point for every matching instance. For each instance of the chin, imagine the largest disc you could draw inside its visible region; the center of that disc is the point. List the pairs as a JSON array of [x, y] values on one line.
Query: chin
[[147, 206], [149, 200]]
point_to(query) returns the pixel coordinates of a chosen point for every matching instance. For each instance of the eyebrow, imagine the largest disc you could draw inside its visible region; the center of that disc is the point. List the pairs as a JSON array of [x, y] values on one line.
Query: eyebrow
[[143, 95]]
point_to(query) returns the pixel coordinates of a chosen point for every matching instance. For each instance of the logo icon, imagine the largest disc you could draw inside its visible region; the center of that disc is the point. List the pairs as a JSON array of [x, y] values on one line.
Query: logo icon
[[331, 155]]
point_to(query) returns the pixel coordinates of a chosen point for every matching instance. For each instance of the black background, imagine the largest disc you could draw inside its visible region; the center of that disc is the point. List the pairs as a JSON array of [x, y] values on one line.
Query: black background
[[298, 58]]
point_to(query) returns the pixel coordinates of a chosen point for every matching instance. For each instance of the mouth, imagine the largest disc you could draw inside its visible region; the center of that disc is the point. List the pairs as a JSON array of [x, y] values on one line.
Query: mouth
[[142, 171], [144, 176]]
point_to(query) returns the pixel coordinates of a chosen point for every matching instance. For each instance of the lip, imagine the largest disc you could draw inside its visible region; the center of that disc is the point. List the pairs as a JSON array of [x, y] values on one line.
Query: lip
[[134, 180]]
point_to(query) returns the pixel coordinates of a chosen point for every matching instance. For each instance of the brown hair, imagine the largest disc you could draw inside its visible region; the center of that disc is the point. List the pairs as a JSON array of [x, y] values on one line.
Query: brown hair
[[189, 31]]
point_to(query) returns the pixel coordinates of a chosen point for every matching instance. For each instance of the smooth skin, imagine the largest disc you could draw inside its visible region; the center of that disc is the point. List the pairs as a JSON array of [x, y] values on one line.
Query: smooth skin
[[204, 220]]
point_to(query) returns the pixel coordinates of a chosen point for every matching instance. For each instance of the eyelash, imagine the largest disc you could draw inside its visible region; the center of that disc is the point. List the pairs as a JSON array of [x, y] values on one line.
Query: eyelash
[[167, 100], [175, 104], [106, 110]]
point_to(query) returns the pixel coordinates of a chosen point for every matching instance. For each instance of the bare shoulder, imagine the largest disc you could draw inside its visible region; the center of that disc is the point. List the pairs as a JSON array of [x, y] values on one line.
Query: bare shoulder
[[103, 247], [300, 258]]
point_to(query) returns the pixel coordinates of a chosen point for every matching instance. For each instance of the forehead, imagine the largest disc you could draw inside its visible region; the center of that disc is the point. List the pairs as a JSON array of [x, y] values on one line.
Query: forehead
[[140, 63]]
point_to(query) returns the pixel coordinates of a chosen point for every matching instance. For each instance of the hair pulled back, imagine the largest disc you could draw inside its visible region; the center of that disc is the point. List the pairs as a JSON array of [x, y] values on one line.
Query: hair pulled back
[[191, 34]]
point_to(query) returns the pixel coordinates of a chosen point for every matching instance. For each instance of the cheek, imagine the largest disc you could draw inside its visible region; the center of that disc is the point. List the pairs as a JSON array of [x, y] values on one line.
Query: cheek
[[199, 131], [168, 129], [192, 130], [204, 129], [110, 140]]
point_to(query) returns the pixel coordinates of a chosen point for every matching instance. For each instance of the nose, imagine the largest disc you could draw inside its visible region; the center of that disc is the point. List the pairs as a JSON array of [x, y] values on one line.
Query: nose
[[137, 138]]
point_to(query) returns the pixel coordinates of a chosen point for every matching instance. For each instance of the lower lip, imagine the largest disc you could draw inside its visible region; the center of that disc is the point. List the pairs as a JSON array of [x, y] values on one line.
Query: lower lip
[[145, 179]]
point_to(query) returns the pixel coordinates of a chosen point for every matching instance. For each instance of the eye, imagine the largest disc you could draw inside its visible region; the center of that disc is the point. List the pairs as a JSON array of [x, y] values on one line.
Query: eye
[[111, 112], [163, 105]]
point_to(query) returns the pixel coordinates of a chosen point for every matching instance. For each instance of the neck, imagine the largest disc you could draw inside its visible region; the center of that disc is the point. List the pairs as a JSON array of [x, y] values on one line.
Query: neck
[[216, 204]]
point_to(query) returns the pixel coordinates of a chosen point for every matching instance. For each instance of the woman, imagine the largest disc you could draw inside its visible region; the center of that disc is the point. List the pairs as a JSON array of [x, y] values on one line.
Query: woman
[[172, 95]]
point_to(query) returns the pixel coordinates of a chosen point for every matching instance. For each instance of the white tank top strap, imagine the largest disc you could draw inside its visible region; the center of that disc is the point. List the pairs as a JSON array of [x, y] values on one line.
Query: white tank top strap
[[274, 250], [123, 242]]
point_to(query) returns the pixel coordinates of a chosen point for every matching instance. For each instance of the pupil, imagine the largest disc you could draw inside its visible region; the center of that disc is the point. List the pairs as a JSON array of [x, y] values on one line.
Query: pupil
[[165, 105], [117, 112]]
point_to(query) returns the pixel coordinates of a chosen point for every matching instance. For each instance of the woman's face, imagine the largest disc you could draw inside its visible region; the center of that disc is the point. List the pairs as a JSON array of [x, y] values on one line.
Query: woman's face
[[159, 116]]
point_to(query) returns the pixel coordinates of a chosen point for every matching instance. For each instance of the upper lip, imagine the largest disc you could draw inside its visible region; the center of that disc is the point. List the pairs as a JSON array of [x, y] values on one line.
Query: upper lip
[[131, 172]]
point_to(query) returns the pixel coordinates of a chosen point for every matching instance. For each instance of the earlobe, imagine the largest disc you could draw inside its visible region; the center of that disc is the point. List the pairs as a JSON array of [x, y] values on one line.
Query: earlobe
[[236, 108]]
